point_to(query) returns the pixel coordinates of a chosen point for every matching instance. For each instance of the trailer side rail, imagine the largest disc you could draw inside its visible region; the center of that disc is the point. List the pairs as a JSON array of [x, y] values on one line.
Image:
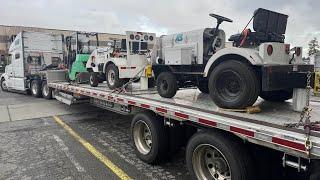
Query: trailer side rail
[[289, 141]]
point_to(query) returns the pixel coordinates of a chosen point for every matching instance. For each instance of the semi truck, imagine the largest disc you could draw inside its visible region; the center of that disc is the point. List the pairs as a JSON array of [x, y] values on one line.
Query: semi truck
[[31, 54]]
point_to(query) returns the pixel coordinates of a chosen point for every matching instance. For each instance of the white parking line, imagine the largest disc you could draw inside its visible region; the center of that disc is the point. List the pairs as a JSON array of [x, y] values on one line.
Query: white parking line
[[65, 149]]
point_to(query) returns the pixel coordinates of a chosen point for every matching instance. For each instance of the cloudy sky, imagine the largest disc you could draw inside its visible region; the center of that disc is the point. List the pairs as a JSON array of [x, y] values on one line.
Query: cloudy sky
[[160, 16]]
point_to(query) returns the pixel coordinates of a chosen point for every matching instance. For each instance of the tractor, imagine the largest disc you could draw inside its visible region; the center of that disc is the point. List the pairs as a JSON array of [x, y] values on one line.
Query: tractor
[[259, 63]]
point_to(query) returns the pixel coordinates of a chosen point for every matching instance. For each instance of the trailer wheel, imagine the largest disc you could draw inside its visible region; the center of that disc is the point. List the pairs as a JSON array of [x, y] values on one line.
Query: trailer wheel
[[94, 79], [46, 90], [203, 87], [149, 137], [233, 84], [212, 155], [3, 85], [167, 85], [112, 77], [36, 88], [277, 96]]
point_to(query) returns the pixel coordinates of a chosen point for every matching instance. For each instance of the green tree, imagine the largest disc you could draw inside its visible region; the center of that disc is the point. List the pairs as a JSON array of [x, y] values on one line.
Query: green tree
[[313, 46]]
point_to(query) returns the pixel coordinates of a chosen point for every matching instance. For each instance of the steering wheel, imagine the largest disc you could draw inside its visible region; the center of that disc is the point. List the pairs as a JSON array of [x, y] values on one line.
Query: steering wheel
[[220, 18]]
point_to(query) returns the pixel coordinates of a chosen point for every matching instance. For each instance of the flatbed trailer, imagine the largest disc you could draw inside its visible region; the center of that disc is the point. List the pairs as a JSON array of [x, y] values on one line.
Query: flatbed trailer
[[268, 128]]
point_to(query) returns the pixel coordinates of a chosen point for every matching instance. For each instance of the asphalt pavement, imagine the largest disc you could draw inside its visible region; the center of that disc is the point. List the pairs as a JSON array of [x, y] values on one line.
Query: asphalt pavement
[[93, 144]]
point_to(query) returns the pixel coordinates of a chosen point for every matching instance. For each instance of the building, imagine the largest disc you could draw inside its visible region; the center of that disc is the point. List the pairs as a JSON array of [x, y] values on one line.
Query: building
[[7, 34]]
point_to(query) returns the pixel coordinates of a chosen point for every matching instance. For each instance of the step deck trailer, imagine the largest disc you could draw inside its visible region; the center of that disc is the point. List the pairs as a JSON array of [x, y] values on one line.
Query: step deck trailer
[[191, 107]]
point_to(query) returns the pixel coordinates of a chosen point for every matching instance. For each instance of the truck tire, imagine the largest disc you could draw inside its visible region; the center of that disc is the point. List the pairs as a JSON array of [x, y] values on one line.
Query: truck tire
[[167, 85], [94, 79], [3, 84], [234, 84], [203, 87], [46, 91], [277, 96], [214, 155], [112, 77], [36, 88], [150, 137]]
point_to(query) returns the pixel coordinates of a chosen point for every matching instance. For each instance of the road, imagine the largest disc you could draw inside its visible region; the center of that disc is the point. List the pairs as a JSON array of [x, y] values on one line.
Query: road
[[35, 146]]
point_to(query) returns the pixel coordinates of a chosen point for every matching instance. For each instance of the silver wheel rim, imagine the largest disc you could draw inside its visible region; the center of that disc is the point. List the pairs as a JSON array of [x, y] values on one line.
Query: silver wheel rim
[[4, 85], [45, 90], [34, 88], [209, 163], [142, 137], [111, 77]]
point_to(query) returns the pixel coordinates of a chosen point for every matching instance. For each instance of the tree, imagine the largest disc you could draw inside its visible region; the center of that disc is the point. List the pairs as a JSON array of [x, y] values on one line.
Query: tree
[[313, 46]]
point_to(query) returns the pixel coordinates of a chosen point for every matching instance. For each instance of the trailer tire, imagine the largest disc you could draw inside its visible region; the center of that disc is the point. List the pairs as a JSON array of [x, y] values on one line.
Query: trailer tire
[[167, 85], [94, 79], [234, 84], [203, 87], [3, 85], [36, 88], [149, 136], [213, 154], [112, 77], [277, 96], [46, 91]]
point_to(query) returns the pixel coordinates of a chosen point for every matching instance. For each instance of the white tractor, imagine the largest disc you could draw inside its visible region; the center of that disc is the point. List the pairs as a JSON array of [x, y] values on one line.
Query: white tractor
[[120, 64], [258, 64]]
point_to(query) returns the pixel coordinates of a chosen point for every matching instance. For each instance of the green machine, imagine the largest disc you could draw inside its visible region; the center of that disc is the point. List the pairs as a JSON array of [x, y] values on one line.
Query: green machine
[[79, 47]]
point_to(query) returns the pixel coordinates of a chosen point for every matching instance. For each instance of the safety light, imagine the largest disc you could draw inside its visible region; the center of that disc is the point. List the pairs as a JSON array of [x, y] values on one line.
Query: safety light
[[146, 37], [269, 50], [131, 36], [151, 38]]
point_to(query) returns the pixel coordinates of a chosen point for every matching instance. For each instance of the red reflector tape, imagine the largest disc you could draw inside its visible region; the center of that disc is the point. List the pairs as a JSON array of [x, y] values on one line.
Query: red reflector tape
[[119, 99], [102, 95], [242, 131], [94, 94], [145, 106], [133, 67], [131, 102], [181, 115], [123, 67], [110, 97], [207, 122], [290, 144], [161, 110]]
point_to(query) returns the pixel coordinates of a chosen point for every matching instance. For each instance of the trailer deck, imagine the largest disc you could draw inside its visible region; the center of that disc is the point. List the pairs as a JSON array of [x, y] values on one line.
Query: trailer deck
[[266, 128]]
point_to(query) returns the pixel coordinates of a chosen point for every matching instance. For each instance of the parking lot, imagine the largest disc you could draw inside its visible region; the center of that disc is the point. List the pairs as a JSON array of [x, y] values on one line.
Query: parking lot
[[43, 139]]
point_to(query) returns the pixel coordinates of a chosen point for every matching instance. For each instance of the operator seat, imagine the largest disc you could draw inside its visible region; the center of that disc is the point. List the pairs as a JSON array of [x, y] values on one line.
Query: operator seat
[[268, 26]]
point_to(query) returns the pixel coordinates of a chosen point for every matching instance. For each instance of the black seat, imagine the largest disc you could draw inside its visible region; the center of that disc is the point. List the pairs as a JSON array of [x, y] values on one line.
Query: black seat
[[268, 26]]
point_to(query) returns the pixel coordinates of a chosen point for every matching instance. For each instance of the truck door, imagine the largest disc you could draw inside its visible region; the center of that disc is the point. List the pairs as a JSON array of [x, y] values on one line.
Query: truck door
[[18, 65], [9, 72]]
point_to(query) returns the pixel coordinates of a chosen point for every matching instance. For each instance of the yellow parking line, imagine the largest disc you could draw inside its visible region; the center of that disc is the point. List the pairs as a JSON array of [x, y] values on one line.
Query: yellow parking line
[[106, 161]]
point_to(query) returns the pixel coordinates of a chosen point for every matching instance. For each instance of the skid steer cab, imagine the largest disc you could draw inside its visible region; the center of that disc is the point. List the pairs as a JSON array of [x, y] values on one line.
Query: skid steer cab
[[127, 59], [259, 62]]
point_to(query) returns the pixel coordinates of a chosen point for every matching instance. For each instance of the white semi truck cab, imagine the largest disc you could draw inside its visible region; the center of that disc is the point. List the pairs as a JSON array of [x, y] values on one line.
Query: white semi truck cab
[[31, 53]]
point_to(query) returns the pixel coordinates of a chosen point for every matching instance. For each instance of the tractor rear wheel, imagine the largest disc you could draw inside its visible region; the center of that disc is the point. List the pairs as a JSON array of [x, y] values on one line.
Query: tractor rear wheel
[[234, 84], [3, 85]]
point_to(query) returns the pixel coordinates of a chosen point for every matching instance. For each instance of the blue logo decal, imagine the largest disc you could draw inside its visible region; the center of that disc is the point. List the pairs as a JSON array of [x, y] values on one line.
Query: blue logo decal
[[179, 38]]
